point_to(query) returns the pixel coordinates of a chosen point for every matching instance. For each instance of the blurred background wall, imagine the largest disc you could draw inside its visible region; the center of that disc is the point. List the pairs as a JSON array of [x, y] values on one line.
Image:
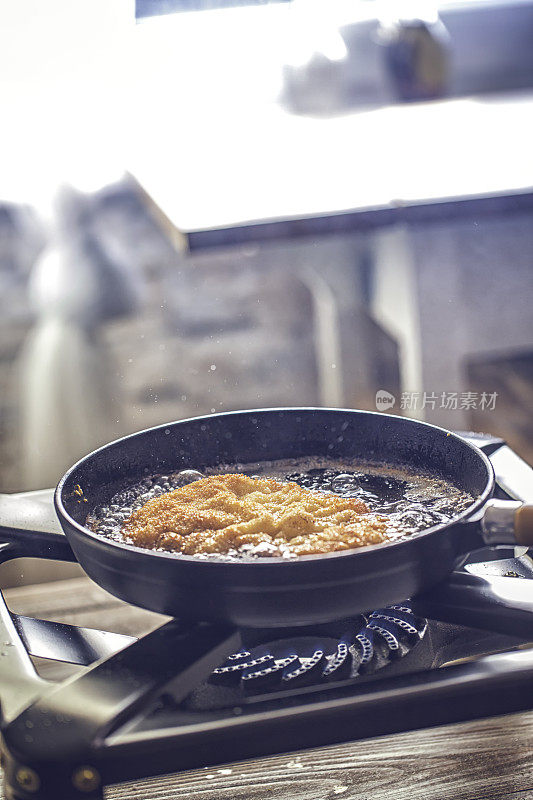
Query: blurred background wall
[[108, 325]]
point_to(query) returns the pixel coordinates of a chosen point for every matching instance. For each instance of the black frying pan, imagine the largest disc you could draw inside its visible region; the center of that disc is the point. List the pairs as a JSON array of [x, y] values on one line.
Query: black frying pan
[[272, 592]]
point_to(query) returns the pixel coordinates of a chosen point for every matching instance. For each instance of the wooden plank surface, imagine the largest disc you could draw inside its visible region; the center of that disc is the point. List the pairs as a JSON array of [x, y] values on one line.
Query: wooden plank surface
[[490, 758], [81, 602]]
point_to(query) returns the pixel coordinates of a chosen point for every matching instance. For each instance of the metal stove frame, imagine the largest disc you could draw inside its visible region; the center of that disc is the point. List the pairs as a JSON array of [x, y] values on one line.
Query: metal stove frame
[[108, 724]]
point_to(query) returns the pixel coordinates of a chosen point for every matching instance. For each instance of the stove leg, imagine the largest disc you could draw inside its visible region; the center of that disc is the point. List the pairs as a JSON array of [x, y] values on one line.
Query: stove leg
[[63, 764]]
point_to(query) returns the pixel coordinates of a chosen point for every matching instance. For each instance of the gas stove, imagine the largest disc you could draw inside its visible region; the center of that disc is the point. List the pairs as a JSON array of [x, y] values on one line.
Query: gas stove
[[170, 701]]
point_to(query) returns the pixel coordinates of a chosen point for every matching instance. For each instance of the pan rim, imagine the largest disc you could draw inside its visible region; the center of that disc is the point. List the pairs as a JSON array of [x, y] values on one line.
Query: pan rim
[[264, 562]]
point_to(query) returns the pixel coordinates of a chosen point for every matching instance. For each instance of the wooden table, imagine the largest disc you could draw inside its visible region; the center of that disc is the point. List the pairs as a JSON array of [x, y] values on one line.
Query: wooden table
[[490, 758]]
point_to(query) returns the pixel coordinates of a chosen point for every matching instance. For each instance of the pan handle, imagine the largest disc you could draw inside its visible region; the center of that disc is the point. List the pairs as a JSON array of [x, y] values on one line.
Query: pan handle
[[28, 522], [495, 603], [507, 522]]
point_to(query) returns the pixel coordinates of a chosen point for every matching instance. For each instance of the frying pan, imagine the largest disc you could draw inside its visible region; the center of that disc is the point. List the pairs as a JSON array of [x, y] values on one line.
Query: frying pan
[[271, 592]]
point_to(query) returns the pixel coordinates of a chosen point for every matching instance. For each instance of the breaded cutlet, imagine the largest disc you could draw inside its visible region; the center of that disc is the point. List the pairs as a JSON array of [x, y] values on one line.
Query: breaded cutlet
[[225, 513]]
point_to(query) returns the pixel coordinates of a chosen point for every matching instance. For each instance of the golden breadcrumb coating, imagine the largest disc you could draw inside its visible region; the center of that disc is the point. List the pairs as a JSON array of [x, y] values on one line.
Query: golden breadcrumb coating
[[222, 513]]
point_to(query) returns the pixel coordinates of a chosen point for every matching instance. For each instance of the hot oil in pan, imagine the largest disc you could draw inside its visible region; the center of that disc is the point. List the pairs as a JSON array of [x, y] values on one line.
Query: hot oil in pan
[[410, 502]]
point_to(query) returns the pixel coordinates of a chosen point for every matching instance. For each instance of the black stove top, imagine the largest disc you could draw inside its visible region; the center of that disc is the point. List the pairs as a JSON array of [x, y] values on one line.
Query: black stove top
[[185, 696]]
